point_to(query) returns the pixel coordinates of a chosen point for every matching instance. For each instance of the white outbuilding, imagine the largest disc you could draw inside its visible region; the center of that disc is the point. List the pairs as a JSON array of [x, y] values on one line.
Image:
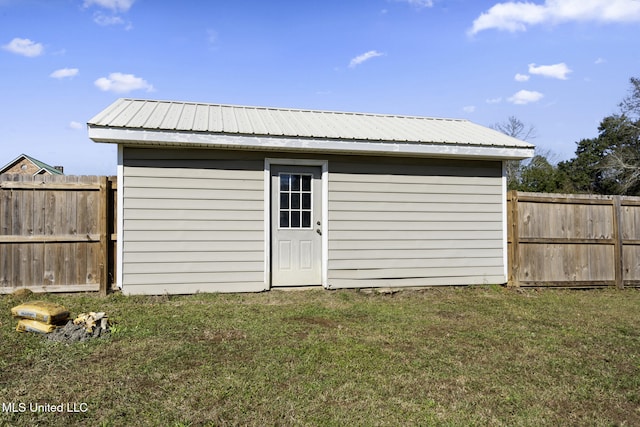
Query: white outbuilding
[[224, 198]]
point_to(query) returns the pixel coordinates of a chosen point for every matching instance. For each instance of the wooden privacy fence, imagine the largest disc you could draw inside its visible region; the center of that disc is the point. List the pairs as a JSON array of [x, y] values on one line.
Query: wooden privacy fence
[[573, 240], [56, 233]]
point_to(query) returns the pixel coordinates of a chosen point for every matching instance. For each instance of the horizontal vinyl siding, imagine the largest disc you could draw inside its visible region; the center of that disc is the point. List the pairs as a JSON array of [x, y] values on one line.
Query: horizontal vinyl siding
[[415, 224], [193, 222]]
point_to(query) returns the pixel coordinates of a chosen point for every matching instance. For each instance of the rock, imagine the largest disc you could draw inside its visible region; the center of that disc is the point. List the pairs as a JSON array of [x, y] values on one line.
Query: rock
[[71, 333]]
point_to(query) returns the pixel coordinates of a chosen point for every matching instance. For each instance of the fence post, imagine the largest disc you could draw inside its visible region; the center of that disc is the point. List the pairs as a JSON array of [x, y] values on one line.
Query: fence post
[[617, 237], [104, 242], [512, 227]]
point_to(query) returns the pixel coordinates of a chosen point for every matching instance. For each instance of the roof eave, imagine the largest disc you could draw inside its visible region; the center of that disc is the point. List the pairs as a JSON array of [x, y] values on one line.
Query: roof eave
[[237, 142]]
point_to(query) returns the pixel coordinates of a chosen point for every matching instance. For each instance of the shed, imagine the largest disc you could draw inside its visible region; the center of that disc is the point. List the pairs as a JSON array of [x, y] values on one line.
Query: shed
[[224, 198]]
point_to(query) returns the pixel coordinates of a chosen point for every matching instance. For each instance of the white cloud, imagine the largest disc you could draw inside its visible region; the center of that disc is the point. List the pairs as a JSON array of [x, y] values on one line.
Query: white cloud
[[364, 57], [24, 47], [525, 97], [600, 61], [64, 72], [518, 16], [556, 71], [115, 5], [419, 4], [106, 20], [521, 77], [75, 125], [497, 100], [122, 83], [469, 108]]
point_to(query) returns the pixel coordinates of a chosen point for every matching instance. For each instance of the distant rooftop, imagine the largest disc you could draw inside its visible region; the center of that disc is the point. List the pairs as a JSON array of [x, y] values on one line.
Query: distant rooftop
[[42, 167]]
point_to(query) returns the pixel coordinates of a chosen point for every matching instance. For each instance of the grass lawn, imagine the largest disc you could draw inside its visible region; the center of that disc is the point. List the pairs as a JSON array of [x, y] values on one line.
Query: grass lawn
[[454, 356]]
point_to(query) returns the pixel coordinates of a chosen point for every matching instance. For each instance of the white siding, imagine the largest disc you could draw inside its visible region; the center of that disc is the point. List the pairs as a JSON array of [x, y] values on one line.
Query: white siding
[[192, 222], [415, 224]]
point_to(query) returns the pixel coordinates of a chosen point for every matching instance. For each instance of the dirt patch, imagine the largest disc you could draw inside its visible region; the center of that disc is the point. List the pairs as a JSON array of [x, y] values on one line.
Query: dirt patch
[[223, 335], [22, 293], [453, 315]]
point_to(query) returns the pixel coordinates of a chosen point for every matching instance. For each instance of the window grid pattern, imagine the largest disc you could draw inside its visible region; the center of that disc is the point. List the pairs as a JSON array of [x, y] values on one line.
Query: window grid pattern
[[295, 200]]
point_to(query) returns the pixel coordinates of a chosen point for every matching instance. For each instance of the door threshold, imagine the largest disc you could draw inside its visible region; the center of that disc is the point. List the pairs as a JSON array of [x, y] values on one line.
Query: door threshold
[[296, 288]]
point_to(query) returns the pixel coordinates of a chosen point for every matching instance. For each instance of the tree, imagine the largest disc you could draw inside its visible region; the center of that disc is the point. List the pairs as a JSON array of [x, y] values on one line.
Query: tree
[[539, 176], [610, 163], [516, 129], [582, 173], [620, 166], [513, 127], [630, 105]]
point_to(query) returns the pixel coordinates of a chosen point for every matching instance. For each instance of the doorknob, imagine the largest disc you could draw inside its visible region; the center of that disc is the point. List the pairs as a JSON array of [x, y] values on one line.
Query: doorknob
[[318, 231]]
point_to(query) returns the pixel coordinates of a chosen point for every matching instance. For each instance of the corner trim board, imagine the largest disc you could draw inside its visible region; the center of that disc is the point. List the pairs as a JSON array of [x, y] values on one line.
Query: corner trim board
[[120, 214]]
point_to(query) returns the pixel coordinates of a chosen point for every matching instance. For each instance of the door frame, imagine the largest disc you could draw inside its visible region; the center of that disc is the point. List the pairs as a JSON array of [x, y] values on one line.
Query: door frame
[[324, 206]]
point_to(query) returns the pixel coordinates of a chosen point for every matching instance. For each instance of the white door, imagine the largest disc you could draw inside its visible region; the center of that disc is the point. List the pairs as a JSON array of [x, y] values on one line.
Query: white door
[[296, 242]]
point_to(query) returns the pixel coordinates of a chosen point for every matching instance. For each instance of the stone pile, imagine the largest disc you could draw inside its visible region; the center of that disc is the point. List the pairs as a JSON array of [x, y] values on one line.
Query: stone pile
[[84, 327]]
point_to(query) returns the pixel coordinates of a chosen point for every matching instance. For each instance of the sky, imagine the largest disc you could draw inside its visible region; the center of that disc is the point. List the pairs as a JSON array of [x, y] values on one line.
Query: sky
[[560, 66]]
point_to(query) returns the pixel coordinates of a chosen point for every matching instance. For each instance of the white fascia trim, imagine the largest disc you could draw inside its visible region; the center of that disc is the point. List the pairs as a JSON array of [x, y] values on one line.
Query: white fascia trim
[[40, 170], [120, 215], [248, 142], [324, 164]]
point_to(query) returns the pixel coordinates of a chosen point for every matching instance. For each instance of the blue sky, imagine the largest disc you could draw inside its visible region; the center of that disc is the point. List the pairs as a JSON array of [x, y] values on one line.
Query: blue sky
[[559, 65]]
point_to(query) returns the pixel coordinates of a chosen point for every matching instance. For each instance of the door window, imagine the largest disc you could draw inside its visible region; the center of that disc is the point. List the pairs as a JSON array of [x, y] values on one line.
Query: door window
[[295, 200]]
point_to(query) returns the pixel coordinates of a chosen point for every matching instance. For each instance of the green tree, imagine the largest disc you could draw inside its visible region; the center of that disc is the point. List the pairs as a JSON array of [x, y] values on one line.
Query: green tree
[[620, 165], [610, 163], [539, 176], [582, 174]]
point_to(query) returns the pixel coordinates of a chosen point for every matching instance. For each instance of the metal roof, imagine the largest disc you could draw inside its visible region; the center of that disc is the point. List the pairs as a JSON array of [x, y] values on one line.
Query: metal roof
[[190, 117]]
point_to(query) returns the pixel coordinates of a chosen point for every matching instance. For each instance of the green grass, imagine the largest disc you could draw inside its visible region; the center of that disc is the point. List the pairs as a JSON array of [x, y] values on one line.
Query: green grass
[[455, 356]]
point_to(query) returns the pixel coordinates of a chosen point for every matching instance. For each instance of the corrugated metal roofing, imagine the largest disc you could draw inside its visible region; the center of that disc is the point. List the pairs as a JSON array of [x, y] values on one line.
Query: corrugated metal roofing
[[281, 122]]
